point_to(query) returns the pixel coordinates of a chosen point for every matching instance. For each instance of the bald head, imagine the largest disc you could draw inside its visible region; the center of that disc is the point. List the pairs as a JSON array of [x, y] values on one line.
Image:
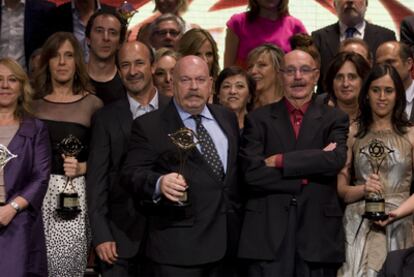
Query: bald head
[[192, 84], [398, 55]]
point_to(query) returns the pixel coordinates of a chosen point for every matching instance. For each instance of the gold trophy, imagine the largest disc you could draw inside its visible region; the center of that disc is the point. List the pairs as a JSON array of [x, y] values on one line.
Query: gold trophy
[[376, 152], [5, 156], [127, 11], [68, 203], [185, 139]]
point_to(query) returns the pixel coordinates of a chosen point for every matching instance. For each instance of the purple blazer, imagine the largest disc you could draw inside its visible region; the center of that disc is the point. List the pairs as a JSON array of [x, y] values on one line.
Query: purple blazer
[[22, 242]]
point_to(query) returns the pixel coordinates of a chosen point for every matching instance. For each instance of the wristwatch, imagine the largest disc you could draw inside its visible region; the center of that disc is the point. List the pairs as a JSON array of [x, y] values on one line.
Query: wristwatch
[[15, 206]]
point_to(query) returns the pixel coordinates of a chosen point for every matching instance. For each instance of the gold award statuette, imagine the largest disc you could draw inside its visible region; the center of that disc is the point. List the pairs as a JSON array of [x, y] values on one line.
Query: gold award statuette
[[185, 139], [68, 205], [376, 152], [5, 155], [126, 10]]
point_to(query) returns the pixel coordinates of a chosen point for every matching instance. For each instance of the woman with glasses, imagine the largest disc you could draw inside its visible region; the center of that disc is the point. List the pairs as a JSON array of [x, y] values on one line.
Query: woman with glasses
[[264, 22], [379, 166], [263, 65], [24, 173]]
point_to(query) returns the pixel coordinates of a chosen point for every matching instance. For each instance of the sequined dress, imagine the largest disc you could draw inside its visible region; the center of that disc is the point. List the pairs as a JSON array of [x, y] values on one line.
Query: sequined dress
[[367, 248]]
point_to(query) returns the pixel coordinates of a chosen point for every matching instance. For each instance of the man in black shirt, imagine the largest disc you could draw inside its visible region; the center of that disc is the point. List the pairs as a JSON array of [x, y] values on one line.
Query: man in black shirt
[[105, 32]]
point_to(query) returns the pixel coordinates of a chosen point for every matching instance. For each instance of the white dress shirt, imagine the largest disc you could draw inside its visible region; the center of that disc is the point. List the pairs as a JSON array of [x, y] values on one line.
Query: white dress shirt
[[409, 96], [360, 30]]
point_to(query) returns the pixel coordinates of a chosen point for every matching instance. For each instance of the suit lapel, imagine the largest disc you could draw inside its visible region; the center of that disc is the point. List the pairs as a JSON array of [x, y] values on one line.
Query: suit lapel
[[310, 125], [124, 116], [333, 41], [282, 126]]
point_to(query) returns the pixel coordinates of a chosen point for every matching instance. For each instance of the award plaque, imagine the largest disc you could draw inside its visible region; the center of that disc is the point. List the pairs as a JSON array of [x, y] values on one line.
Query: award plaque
[[68, 200], [185, 139], [5, 155], [376, 152], [127, 11]]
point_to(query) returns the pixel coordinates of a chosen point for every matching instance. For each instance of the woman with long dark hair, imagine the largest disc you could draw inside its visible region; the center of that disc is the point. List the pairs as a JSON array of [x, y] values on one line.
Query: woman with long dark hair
[[64, 101], [380, 164]]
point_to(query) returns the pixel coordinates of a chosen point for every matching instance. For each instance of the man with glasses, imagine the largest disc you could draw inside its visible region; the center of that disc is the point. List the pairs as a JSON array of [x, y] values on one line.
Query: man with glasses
[[193, 235], [291, 153], [166, 31]]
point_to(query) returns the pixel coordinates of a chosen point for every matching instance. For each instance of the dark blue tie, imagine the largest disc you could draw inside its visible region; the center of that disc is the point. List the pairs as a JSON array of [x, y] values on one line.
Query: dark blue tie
[[349, 32], [208, 148]]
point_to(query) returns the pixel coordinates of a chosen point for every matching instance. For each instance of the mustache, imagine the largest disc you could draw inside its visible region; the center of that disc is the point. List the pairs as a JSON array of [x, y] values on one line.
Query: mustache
[[192, 94]]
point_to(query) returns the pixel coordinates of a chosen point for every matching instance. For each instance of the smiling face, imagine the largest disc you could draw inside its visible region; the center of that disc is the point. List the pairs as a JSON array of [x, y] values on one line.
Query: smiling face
[[382, 97], [263, 72], [135, 67], [299, 76], [104, 38], [234, 93], [167, 34], [192, 84], [347, 84], [62, 66], [163, 75], [10, 88]]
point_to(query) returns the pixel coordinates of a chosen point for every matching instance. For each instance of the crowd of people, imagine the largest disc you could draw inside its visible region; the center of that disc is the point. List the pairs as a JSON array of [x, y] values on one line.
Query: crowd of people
[[140, 156]]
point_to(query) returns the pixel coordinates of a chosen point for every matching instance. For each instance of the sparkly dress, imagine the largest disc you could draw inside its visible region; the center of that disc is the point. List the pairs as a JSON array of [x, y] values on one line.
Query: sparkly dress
[[67, 241], [367, 248]]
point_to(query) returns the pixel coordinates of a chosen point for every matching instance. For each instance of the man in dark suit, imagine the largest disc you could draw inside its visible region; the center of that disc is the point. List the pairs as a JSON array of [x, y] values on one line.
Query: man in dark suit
[[117, 227], [291, 152], [34, 32], [407, 31], [351, 23], [400, 56], [399, 263], [194, 238], [73, 17]]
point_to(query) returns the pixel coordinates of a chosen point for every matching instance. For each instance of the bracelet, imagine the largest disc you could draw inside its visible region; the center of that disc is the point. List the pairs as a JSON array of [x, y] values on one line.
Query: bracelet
[[15, 206]]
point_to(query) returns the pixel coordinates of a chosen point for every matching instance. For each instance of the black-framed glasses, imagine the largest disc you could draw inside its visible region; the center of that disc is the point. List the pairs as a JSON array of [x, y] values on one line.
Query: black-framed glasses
[[304, 70]]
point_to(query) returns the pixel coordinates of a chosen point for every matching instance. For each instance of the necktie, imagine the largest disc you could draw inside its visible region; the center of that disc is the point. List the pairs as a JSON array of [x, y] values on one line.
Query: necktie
[[349, 32], [208, 148]]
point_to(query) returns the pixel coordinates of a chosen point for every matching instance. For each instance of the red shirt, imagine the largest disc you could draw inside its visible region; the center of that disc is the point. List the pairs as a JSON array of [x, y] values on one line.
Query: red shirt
[[296, 117]]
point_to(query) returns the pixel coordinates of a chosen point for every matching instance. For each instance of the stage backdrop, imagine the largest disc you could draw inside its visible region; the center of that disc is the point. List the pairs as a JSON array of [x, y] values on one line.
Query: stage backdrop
[[213, 14]]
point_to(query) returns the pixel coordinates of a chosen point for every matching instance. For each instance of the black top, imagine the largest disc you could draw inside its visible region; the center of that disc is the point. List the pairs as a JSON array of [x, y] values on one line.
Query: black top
[[109, 91]]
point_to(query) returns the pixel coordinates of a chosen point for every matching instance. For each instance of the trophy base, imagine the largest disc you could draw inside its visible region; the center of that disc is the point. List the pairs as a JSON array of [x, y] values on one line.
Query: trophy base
[[68, 213], [375, 216]]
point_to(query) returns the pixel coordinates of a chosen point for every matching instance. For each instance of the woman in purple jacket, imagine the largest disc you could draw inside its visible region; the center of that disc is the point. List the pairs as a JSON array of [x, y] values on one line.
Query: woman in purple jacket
[[24, 172]]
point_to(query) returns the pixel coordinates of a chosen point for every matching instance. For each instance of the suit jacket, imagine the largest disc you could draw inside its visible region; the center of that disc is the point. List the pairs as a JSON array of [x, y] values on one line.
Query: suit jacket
[[37, 16], [399, 263], [407, 31], [112, 212], [199, 233], [22, 241], [268, 131], [327, 42], [63, 19]]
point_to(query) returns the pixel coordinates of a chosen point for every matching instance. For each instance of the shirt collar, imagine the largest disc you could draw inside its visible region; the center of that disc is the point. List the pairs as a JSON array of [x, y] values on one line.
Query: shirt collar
[[98, 5], [205, 113], [134, 104], [360, 27], [292, 108], [409, 93]]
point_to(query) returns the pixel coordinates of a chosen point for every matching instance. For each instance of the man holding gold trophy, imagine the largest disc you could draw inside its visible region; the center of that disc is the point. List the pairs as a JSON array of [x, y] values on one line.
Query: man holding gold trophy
[[186, 170]]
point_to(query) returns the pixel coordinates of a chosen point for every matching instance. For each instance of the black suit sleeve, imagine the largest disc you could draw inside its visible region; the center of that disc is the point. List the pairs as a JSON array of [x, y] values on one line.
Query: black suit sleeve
[[137, 174], [97, 181], [259, 177], [316, 161]]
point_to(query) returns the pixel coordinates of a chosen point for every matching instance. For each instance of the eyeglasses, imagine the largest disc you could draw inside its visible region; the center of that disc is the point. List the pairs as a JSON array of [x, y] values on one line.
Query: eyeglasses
[[172, 32], [187, 81], [304, 70]]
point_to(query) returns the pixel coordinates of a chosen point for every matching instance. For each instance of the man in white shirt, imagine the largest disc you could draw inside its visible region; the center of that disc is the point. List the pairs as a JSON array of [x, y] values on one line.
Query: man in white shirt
[[399, 55]]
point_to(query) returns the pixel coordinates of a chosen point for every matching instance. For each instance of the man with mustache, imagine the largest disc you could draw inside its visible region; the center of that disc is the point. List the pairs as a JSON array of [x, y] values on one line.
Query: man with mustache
[[192, 206], [351, 24], [291, 153], [117, 227]]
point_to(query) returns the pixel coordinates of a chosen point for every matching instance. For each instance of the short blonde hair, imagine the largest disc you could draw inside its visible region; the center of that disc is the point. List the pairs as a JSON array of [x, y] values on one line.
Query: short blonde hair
[[25, 98]]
